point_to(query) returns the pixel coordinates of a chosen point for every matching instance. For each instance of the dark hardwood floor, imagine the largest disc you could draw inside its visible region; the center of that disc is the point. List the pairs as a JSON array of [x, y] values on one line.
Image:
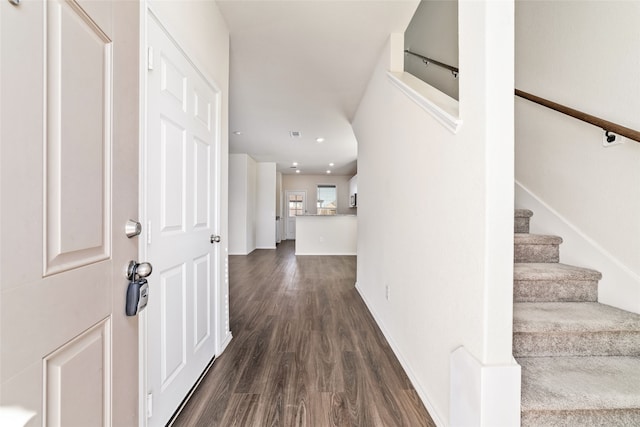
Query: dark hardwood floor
[[305, 352]]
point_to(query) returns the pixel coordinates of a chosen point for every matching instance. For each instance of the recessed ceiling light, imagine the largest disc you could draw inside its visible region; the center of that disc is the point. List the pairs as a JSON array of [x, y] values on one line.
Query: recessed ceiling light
[[298, 171], [295, 163], [328, 171], [331, 164], [237, 132], [320, 139]]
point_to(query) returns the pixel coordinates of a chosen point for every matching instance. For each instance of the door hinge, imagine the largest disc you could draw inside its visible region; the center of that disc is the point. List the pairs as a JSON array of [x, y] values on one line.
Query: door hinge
[[148, 232], [149, 58], [149, 405]]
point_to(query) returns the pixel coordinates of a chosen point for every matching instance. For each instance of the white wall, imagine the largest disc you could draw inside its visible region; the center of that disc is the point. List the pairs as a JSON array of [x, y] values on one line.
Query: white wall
[[279, 206], [279, 196], [252, 204], [238, 204], [584, 55], [252, 215], [433, 32], [444, 204], [242, 204], [266, 205], [309, 184]]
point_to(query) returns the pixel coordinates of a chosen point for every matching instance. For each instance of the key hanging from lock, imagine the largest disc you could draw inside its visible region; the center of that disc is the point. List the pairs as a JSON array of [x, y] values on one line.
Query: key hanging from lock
[[138, 289]]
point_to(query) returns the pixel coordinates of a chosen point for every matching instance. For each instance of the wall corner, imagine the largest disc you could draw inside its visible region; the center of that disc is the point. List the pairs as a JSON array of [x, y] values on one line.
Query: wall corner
[[396, 52], [483, 395]]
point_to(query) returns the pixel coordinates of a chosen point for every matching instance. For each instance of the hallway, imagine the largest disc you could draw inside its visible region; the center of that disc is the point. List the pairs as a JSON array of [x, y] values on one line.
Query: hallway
[[305, 352]]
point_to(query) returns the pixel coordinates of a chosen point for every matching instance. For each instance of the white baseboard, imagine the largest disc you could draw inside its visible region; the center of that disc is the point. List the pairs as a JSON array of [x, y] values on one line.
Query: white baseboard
[[224, 344], [242, 253], [619, 287], [437, 419], [327, 254]]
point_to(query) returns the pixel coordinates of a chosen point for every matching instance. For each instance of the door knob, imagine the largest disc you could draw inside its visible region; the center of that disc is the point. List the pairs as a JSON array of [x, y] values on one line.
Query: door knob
[[137, 271], [132, 228], [215, 238]]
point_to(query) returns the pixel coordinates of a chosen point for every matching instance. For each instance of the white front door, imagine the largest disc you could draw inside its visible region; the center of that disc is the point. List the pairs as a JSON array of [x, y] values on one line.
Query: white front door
[[182, 205], [69, 183], [295, 205]]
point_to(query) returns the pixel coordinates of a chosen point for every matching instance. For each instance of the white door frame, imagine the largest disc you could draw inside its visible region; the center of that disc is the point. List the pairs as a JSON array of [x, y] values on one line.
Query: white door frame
[[221, 301]]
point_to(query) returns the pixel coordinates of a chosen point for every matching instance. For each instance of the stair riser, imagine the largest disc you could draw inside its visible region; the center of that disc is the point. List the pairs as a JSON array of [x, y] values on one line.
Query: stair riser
[[594, 417], [536, 253], [580, 390], [521, 225], [550, 291], [577, 344]]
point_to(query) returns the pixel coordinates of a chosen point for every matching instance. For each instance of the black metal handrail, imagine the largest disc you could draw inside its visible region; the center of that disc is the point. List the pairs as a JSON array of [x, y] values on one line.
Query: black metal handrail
[[455, 71]]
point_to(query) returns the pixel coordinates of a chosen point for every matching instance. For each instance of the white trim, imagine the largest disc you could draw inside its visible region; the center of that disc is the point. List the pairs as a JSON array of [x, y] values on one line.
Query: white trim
[[440, 105], [437, 419], [224, 343], [483, 395], [620, 285], [327, 253], [142, 209]]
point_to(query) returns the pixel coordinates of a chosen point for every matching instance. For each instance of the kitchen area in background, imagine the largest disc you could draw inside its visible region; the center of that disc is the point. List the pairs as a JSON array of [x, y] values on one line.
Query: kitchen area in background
[[266, 207], [320, 213]]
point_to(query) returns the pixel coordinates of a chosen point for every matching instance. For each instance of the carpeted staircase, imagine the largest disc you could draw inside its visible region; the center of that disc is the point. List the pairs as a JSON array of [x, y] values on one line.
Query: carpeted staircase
[[580, 359]]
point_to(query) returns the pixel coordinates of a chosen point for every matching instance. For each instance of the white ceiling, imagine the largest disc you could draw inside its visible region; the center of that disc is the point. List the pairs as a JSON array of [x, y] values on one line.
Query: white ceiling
[[299, 65]]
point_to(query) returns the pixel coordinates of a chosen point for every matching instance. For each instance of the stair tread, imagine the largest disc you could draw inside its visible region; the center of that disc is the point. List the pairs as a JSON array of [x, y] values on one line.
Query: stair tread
[[568, 317], [580, 383], [553, 271], [536, 239], [523, 213], [580, 361]]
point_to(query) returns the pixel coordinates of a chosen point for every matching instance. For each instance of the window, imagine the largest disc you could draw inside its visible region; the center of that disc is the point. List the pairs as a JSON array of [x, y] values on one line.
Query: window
[[296, 205], [327, 200]]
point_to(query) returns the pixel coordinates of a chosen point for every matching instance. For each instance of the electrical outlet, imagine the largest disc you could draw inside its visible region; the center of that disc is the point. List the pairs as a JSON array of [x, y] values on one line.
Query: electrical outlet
[[387, 291], [614, 137]]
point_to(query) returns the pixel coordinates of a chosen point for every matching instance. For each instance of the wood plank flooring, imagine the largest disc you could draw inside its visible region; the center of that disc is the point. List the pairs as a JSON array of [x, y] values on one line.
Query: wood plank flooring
[[305, 352]]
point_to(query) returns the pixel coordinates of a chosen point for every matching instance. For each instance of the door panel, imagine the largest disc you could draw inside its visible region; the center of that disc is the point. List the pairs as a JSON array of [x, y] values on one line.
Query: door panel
[[173, 322], [202, 180], [173, 83], [182, 156], [85, 361], [77, 210], [172, 176], [202, 315], [69, 353]]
